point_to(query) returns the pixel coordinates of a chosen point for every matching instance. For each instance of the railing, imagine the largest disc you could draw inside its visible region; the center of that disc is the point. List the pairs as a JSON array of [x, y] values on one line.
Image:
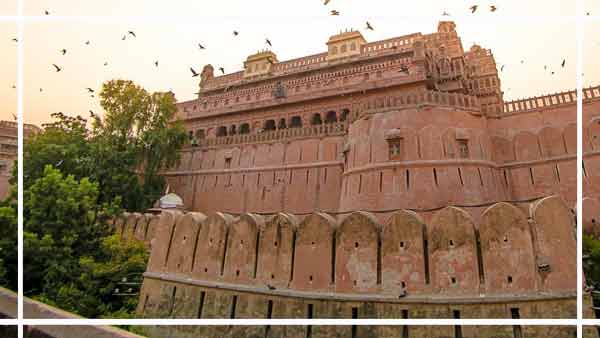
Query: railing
[[420, 98], [272, 135], [552, 100]]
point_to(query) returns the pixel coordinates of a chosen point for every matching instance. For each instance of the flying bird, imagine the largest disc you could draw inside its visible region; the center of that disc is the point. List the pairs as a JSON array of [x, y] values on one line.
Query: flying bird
[[194, 74], [156, 63], [63, 51], [91, 113], [201, 47], [235, 33], [87, 42], [106, 63], [222, 70], [46, 12], [132, 34], [502, 68], [334, 12], [124, 37], [445, 14], [563, 63], [58, 69], [369, 26], [15, 40], [326, 2], [90, 90], [473, 8], [493, 8], [41, 90], [268, 42], [14, 116]]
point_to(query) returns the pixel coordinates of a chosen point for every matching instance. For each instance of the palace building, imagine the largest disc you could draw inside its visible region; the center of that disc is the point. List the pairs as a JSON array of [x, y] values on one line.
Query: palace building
[[385, 179], [8, 150]]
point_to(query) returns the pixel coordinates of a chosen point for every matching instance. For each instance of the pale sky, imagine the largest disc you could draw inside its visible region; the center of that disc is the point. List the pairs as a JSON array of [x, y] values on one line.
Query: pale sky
[[296, 28]]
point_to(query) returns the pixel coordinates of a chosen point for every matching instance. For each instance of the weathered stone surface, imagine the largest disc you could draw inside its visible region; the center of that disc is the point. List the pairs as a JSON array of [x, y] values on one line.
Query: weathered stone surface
[[453, 252], [555, 238], [507, 251]]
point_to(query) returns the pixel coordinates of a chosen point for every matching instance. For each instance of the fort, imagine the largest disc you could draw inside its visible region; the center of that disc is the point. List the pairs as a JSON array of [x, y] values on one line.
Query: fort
[[384, 179]]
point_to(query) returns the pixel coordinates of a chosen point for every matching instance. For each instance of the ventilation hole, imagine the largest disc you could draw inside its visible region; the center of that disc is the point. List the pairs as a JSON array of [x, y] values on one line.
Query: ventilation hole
[[403, 284], [210, 241], [453, 280], [355, 282], [451, 243], [205, 269], [402, 244], [242, 242], [272, 276], [310, 278], [178, 265], [509, 279], [594, 220], [276, 243], [312, 243], [237, 272], [356, 244], [184, 238], [505, 239]]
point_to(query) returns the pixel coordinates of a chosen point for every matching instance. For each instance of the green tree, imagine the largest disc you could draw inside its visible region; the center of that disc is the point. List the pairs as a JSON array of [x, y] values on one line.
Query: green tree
[[72, 260], [124, 151], [8, 241]]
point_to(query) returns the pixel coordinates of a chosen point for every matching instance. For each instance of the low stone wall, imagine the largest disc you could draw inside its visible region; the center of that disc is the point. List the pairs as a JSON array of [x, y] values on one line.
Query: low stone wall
[[36, 310]]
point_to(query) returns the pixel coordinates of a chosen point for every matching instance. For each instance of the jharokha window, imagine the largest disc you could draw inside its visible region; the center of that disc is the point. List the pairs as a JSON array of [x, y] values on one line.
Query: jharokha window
[[396, 148], [463, 148]]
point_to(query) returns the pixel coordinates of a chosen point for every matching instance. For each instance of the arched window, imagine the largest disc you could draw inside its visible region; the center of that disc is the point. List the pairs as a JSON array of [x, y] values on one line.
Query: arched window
[[282, 124], [296, 122], [200, 134], [316, 119], [353, 46], [269, 125], [191, 134], [331, 117], [244, 128], [344, 115], [343, 49], [334, 50], [233, 130], [222, 131]]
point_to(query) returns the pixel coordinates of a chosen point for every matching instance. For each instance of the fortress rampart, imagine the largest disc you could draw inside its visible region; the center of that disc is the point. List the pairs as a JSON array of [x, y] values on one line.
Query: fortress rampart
[[515, 261]]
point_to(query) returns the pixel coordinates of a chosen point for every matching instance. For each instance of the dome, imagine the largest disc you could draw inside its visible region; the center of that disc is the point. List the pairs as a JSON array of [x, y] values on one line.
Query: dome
[[170, 201]]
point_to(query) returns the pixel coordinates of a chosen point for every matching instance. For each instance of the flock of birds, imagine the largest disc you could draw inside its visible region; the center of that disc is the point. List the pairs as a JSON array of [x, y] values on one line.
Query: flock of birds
[[368, 26]]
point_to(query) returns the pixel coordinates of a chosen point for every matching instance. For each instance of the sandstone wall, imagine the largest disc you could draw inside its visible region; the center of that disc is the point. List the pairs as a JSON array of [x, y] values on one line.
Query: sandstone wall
[[506, 264]]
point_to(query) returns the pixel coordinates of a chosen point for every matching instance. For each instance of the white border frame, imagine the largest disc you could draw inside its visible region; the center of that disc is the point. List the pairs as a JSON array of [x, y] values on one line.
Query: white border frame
[[580, 19]]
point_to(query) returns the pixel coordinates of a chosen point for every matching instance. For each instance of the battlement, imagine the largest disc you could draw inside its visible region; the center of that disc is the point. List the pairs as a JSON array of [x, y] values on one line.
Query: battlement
[[550, 101], [449, 259]]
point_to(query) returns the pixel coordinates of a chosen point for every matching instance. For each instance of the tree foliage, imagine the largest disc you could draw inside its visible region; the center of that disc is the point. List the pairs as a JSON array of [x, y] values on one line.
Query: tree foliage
[[8, 241], [124, 151], [77, 175]]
